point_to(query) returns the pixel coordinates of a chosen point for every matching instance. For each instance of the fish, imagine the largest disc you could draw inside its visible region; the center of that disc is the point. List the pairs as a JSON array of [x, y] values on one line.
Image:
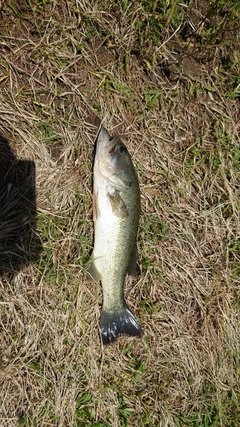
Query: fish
[[116, 213]]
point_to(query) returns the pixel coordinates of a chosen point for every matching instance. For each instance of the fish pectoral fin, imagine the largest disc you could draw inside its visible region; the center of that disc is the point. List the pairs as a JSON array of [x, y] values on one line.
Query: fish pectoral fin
[[93, 274], [117, 204], [133, 268]]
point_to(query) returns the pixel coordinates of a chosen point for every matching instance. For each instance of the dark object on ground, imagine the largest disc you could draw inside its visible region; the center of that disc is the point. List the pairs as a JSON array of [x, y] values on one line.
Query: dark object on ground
[[19, 244], [2, 175]]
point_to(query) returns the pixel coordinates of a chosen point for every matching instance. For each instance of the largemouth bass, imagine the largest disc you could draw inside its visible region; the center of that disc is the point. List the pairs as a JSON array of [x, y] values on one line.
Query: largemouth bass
[[116, 211]]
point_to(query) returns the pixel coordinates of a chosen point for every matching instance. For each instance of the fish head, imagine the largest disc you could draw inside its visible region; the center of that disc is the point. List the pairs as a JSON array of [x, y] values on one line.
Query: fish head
[[113, 161]]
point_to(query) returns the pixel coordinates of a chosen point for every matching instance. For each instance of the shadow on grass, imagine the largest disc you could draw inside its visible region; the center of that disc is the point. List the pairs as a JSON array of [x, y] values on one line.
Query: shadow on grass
[[19, 243]]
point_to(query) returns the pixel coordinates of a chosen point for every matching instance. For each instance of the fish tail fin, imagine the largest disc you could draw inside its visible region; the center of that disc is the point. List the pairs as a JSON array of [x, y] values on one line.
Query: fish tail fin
[[113, 324]]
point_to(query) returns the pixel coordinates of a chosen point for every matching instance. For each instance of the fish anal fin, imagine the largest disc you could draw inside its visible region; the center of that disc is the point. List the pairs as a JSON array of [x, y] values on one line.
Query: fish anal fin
[[133, 268], [93, 274], [118, 206]]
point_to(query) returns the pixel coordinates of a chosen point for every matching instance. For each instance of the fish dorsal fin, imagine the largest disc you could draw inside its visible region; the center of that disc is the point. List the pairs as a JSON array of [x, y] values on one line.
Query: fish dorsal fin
[[118, 206], [133, 268]]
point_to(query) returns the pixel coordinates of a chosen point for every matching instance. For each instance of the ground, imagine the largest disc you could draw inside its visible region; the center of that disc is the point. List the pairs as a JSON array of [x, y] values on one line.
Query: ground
[[165, 77]]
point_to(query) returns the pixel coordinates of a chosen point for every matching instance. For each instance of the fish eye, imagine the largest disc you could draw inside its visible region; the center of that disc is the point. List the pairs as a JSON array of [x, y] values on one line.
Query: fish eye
[[122, 149]]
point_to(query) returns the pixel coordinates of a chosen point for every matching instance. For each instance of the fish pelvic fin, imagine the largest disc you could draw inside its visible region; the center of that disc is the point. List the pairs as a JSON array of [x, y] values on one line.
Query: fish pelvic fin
[[119, 323]]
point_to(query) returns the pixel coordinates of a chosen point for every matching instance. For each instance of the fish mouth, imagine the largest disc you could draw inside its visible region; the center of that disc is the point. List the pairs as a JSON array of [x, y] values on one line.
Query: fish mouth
[[111, 148], [106, 143]]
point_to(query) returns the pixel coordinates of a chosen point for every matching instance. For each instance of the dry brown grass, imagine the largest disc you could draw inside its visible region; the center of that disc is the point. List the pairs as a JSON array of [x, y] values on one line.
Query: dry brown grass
[[61, 76]]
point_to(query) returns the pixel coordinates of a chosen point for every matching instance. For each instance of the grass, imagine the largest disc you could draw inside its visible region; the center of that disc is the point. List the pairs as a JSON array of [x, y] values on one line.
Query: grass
[[165, 76]]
